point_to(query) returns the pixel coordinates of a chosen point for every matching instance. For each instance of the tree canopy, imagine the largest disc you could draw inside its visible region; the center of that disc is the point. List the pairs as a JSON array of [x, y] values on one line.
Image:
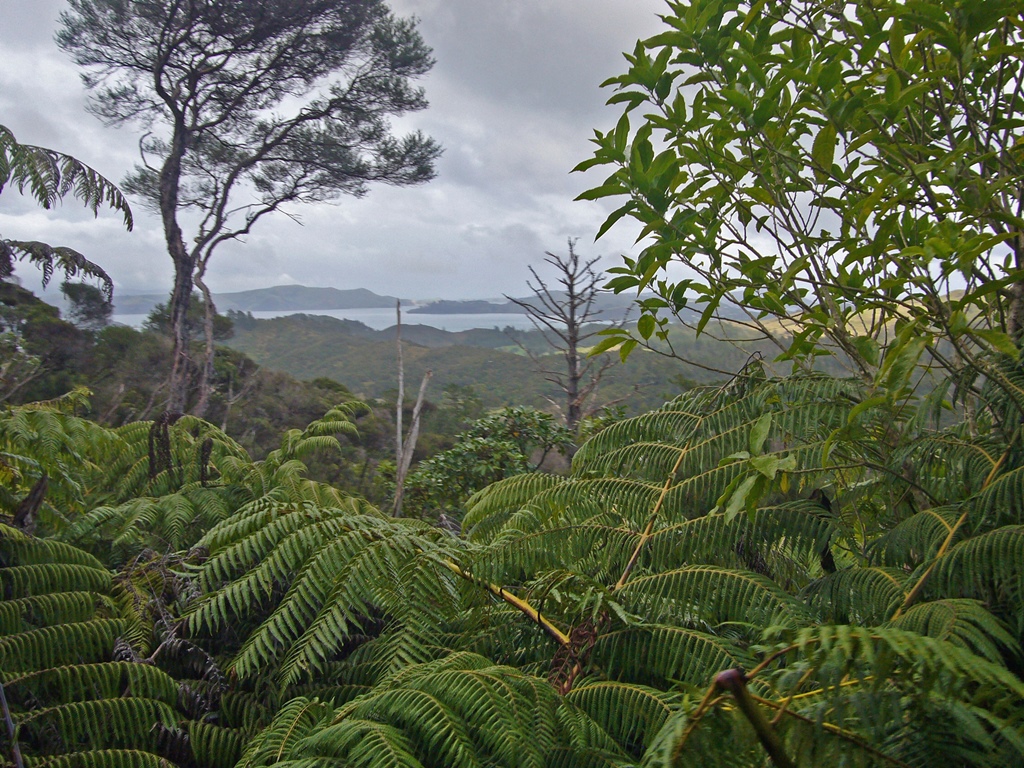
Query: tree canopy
[[847, 176], [249, 108]]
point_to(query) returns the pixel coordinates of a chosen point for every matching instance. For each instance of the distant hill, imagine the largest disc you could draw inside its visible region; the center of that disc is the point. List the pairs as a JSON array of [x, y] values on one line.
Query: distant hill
[[611, 306], [280, 298], [608, 307], [472, 307], [308, 346], [299, 298]]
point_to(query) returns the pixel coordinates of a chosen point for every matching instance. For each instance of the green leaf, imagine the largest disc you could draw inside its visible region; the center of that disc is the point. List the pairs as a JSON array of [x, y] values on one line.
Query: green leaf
[[759, 433], [627, 346], [999, 341], [646, 325], [823, 151], [605, 190]]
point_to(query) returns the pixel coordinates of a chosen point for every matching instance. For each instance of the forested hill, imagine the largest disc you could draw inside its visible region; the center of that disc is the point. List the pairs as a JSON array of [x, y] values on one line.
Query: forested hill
[[364, 360], [279, 298]]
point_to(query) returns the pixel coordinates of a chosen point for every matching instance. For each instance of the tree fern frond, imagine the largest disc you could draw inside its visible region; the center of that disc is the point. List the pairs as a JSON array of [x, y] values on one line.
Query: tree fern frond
[[79, 643], [292, 724], [926, 665], [799, 531], [457, 711], [104, 758], [1001, 502], [214, 746], [487, 510], [631, 714], [657, 655], [43, 610], [867, 595], [50, 175], [27, 580], [915, 540], [962, 622], [125, 723], [988, 567], [711, 596], [15, 547], [106, 680]]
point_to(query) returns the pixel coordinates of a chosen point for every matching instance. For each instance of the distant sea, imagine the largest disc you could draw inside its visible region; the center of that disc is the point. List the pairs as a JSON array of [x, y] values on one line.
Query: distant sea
[[380, 318]]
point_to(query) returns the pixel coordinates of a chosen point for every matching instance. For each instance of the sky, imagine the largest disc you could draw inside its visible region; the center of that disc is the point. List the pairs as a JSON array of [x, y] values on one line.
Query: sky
[[514, 100]]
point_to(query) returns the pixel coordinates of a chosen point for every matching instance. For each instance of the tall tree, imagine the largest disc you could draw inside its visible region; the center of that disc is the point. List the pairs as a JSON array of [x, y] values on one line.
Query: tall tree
[[562, 314], [248, 106]]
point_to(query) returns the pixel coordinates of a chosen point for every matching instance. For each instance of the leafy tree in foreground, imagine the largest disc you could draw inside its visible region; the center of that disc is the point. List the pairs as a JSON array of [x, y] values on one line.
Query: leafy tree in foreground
[[848, 176], [249, 107]]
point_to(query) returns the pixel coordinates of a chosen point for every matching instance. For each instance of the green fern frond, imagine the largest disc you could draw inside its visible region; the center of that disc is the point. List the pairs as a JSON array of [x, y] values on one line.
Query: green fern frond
[[915, 540], [17, 548], [125, 723], [711, 596], [214, 746], [658, 655], [80, 643], [294, 722], [50, 175], [925, 666], [107, 680], [27, 580], [988, 567], [43, 610], [487, 510], [1001, 502], [797, 531], [962, 622], [866, 595], [631, 714], [104, 758], [458, 711]]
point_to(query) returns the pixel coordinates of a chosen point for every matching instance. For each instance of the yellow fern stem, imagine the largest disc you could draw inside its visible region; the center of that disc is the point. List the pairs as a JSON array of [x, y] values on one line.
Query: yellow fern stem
[[650, 524], [532, 613]]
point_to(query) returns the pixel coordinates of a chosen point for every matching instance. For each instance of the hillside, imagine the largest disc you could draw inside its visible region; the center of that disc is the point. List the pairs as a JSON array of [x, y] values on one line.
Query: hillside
[[280, 298], [309, 346]]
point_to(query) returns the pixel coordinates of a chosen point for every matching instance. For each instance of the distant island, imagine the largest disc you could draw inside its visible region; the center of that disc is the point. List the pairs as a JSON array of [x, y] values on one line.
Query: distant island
[[612, 306], [474, 307], [280, 298]]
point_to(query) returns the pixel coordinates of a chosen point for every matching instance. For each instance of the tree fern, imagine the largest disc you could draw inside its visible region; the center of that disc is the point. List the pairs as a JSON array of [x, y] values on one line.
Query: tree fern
[[460, 711]]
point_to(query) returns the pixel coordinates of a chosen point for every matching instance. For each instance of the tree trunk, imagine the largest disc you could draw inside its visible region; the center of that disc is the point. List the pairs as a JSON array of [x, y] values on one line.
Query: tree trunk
[[1015, 314], [206, 374], [184, 267], [402, 470]]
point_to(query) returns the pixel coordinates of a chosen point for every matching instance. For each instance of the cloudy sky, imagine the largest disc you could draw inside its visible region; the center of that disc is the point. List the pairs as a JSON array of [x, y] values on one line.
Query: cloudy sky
[[514, 101]]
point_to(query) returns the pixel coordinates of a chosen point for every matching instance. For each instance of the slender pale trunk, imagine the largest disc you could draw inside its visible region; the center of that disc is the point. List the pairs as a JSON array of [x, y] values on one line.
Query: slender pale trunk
[[401, 386], [206, 374], [409, 447], [404, 447], [1015, 315], [184, 266]]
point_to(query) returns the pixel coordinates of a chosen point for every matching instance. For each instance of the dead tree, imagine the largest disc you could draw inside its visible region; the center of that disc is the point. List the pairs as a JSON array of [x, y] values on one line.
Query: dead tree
[[405, 446], [566, 316]]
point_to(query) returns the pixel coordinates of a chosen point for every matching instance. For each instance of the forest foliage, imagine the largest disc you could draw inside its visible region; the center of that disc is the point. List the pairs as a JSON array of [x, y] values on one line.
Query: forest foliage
[[802, 569]]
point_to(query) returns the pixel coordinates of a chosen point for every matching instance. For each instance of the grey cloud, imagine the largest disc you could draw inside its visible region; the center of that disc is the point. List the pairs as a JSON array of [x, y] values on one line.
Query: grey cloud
[[514, 98]]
